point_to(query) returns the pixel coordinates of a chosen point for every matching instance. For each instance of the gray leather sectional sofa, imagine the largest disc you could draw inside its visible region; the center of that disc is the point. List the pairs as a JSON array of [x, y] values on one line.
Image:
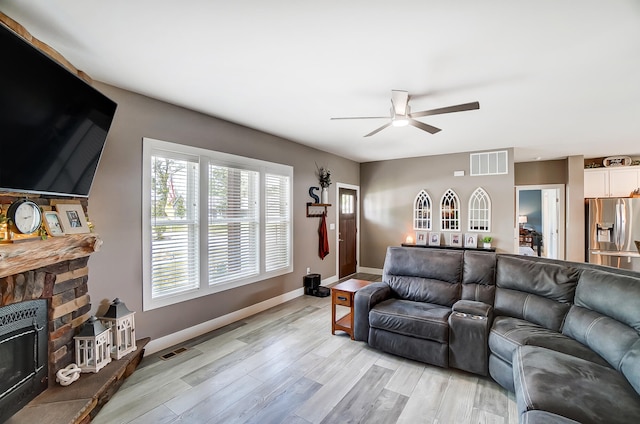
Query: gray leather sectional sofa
[[564, 336]]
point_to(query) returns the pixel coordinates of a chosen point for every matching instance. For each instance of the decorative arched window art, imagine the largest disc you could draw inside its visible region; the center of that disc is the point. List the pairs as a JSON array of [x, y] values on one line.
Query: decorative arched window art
[[422, 211], [450, 211], [480, 211]]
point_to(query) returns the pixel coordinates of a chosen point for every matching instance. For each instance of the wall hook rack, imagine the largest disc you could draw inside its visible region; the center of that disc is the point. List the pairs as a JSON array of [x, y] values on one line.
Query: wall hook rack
[[314, 207]]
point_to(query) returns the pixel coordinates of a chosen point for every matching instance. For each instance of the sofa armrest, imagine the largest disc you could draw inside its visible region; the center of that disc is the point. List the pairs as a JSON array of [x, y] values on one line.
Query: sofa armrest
[[469, 325], [472, 307], [365, 299]]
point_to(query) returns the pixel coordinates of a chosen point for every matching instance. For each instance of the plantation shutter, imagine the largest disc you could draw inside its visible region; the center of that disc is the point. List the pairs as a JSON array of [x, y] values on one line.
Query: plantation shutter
[[277, 222], [174, 224], [233, 236]]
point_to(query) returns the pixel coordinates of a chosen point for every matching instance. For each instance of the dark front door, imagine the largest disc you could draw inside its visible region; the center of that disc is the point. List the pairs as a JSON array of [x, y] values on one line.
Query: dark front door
[[347, 231]]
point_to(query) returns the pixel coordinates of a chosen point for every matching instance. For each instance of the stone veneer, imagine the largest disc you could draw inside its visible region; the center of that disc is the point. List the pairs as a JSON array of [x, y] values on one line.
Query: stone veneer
[[61, 281]]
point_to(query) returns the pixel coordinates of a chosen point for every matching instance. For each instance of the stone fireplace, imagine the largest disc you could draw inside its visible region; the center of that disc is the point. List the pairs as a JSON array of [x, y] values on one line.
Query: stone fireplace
[[23, 353], [52, 273]]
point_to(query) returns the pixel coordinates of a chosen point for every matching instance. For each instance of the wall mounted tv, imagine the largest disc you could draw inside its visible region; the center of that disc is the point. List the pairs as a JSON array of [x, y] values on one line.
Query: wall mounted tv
[[53, 125]]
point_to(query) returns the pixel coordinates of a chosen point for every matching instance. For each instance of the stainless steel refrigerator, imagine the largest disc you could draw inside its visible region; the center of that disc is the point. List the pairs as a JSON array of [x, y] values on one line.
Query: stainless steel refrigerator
[[613, 227]]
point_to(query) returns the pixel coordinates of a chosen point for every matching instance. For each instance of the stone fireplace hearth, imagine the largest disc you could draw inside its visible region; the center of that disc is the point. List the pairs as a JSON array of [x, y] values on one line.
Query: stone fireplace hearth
[[55, 270]]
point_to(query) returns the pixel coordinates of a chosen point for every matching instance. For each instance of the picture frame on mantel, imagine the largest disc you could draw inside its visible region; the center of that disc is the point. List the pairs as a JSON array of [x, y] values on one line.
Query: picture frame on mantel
[[72, 218], [471, 240], [421, 238], [52, 224], [434, 239]]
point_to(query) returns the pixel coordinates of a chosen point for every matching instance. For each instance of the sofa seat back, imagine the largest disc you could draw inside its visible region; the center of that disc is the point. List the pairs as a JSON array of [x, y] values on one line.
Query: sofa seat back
[[424, 275], [538, 291], [479, 276], [606, 317]]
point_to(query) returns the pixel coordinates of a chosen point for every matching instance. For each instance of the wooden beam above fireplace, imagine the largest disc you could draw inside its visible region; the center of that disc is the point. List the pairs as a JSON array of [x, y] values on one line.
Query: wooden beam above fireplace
[[27, 255]]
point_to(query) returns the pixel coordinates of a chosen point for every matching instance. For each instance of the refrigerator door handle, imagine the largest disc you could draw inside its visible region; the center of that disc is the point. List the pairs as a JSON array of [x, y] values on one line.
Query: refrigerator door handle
[[620, 223]]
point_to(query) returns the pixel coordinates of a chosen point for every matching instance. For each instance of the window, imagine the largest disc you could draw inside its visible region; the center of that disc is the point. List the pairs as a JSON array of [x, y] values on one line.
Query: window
[[347, 203], [450, 211], [480, 211], [422, 211], [211, 222]]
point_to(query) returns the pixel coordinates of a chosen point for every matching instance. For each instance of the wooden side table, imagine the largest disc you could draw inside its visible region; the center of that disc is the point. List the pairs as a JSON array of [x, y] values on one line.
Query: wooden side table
[[343, 294]]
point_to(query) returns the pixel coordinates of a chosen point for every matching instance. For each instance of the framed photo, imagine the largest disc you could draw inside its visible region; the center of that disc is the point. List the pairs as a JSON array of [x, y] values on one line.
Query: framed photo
[[421, 238], [72, 218], [470, 240], [434, 239], [52, 223], [455, 239]]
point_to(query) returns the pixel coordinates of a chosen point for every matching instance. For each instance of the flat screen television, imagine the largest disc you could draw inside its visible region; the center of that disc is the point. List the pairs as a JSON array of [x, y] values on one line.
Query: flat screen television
[[53, 125]]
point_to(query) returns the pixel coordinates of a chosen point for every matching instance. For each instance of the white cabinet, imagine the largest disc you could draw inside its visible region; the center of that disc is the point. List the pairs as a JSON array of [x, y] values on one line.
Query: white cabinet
[[596, 183], [611, 182], [623, 181]]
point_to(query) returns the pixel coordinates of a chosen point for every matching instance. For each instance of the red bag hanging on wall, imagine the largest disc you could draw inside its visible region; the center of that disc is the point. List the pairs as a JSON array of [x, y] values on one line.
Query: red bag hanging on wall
[[323, 246]]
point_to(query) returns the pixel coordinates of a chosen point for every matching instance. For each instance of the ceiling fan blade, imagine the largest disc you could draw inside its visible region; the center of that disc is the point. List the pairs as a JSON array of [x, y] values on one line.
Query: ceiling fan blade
[[361, 117], [400, 101], [449, 109], [425, 127], [376, 131]]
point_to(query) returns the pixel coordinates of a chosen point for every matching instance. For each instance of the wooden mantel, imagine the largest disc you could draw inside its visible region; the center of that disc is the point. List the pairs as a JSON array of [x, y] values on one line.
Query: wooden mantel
[[27, 255]]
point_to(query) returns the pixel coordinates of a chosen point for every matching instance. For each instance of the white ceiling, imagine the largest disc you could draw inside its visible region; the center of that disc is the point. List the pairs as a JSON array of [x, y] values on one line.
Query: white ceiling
[[553, 77]]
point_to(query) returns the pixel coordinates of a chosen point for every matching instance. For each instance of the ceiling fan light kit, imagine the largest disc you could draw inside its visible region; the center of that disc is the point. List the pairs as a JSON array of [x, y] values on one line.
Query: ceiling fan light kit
[[401, 115]]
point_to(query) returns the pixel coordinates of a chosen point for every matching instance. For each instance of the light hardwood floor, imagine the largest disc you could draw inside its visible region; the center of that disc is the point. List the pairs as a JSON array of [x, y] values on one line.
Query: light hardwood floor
[[284, 366]]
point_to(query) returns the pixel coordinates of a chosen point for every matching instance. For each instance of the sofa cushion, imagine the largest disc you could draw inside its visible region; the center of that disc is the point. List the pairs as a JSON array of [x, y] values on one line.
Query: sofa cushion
[[530, 307], [630, 366], [427, 290], [610, 294], [424, 275], [416, 319], [507, 334], [571, 387], [609, 338], [546, 279]]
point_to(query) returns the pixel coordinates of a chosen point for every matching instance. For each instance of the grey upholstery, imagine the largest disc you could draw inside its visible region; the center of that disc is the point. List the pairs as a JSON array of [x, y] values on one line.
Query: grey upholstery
[[571, 387], [408, 313], [565, 337]]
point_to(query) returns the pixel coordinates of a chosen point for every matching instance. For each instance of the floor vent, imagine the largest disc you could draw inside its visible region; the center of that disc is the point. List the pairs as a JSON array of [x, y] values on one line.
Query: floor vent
[[173, 353]]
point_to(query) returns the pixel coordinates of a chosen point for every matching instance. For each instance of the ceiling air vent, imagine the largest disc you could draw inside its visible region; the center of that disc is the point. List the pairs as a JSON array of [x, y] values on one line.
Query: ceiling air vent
[[489, 163]]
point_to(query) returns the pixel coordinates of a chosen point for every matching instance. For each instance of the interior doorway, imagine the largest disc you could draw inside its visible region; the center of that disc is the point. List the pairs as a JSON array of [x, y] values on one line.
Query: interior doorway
[[540, 220], [347, 237]]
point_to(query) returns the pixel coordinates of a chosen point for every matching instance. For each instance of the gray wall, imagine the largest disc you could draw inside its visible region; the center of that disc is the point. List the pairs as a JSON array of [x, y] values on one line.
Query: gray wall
[[541, 172], [575, 243], [115, 208], [388, 189]]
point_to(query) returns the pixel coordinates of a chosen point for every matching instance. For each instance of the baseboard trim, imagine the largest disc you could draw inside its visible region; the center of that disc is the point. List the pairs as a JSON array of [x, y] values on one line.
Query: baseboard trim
[[367, 270], [205, 327], [182, 336]]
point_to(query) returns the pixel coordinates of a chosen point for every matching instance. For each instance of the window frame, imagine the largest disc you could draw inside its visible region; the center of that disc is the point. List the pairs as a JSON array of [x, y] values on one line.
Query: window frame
[[477, 213], [450, 203], [419, 211], [206, 157]]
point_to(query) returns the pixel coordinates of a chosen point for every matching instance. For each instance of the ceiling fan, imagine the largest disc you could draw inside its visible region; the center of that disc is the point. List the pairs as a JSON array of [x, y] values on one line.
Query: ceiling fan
[[402, 116]]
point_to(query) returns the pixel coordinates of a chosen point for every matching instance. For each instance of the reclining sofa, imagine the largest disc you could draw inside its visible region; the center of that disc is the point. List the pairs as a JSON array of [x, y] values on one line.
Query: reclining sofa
[[565, 337]]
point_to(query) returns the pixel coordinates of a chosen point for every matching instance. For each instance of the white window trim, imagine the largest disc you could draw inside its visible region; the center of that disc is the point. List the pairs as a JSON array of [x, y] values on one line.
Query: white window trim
[[149, 146]]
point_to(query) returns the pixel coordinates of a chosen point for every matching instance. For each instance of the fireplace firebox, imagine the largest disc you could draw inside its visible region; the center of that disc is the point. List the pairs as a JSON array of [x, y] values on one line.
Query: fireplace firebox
[[23, 354]]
